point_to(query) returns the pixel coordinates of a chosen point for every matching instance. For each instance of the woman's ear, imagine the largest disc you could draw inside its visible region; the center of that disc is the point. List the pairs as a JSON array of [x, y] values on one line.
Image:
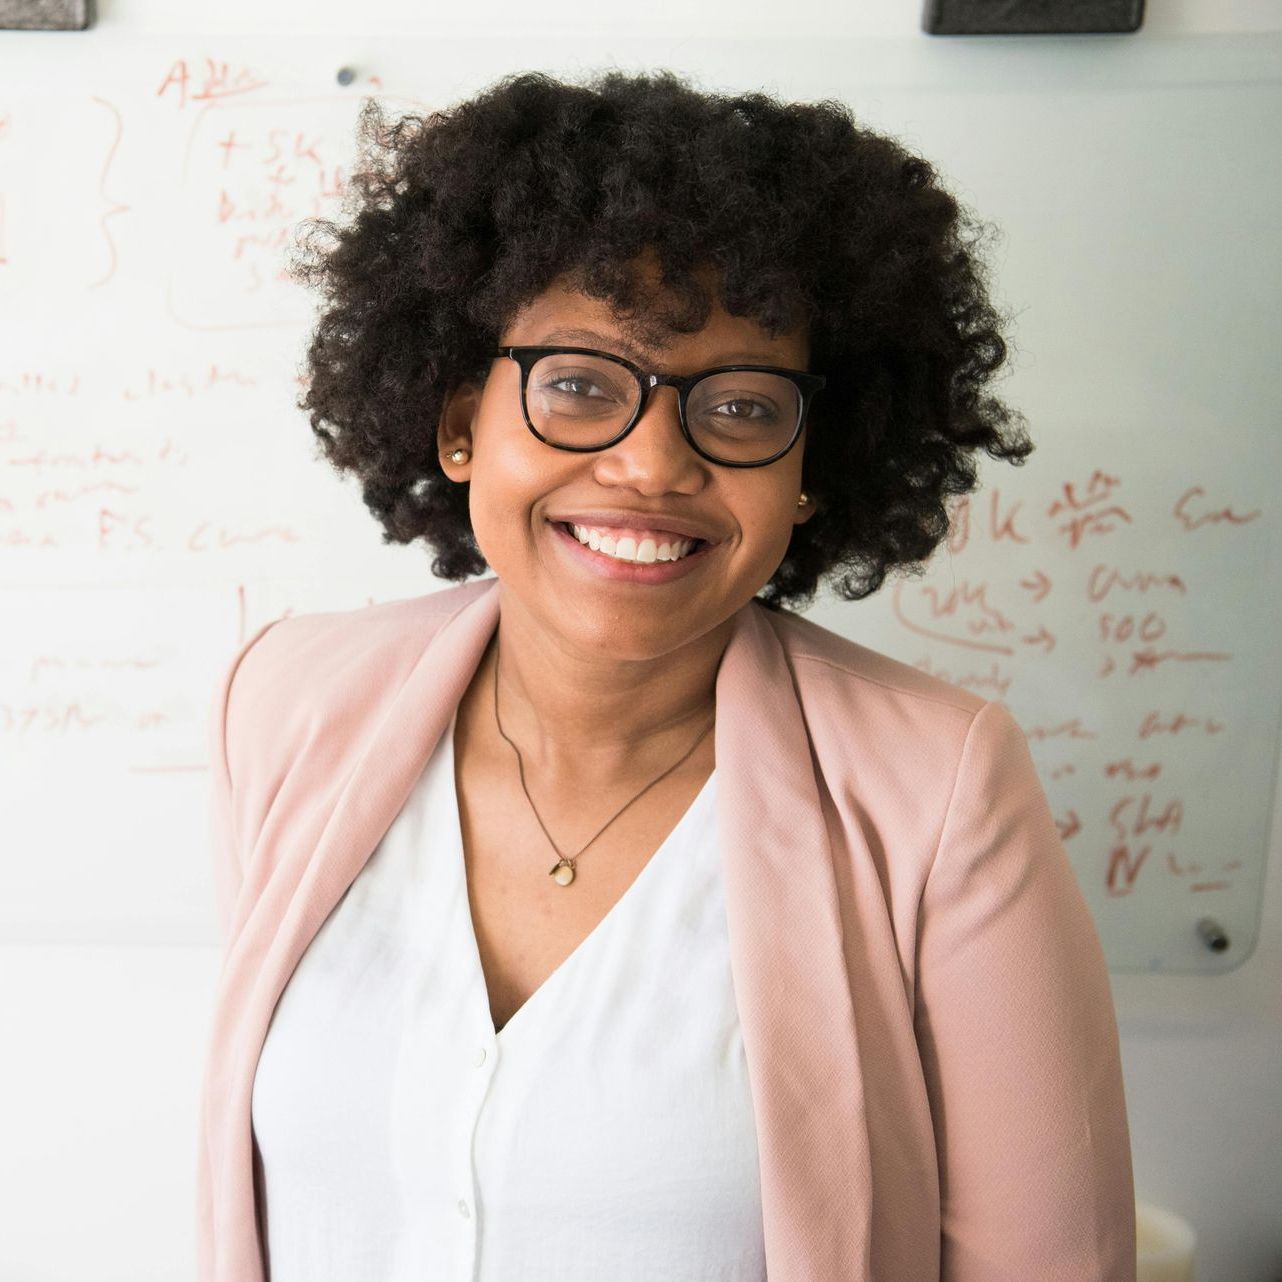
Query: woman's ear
[[454, 435], [805, 510]]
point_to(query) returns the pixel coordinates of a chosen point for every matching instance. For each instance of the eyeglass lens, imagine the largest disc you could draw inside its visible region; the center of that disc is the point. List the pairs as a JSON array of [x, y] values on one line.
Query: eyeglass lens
[[739, 416]]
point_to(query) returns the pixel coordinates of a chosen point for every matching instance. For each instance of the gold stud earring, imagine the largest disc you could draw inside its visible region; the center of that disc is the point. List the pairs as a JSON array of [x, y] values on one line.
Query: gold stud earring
[[460, 456]]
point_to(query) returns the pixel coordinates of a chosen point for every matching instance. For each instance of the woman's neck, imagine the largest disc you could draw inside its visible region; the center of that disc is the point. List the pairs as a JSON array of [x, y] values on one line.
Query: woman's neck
[[595, 716]]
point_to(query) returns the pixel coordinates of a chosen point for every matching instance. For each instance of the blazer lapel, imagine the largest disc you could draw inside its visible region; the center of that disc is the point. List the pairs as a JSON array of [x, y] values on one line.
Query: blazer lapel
[[263, 957], [394, 758], [790, 978]]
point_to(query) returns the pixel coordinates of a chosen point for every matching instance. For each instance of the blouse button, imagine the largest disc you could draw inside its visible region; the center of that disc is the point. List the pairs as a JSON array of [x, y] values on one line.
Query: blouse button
[[463, 1209], [480, 1057]]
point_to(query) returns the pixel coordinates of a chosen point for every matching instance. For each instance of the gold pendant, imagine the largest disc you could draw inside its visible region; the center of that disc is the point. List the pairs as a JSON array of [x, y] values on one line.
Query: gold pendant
[[562, 873]]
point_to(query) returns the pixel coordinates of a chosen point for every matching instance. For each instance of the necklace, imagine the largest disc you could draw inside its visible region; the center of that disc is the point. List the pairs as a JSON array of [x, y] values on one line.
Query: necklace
[[562, 872]]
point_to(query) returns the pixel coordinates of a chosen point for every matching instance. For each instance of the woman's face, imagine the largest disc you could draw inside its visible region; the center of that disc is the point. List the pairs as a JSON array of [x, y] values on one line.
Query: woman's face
[[522, 489]]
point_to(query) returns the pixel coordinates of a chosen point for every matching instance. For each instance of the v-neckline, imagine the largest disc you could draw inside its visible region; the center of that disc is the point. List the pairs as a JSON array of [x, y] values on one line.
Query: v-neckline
[[635, 888]]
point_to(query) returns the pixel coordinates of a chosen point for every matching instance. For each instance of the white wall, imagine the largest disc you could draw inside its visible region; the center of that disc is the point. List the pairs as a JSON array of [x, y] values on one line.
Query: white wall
[[102, 1045]]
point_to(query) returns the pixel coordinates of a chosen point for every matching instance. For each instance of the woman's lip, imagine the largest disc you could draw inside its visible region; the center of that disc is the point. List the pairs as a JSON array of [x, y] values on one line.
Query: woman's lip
[[644, 572]]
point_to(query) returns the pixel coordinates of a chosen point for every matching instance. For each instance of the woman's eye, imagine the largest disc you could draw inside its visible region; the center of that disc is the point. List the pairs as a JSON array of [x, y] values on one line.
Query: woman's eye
[[741, 402], [574, 385], [577, 386]]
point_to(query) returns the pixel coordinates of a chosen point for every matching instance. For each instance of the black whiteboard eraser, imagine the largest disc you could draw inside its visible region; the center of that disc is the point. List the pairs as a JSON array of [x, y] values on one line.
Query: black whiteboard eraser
[[1030, 17], [46, 15]]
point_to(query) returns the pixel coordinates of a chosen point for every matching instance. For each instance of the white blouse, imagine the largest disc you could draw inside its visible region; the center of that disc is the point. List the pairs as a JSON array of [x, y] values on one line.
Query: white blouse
[[605, 1134]]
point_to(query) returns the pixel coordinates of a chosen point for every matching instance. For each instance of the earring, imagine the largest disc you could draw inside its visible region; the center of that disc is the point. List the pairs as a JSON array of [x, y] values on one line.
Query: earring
[[460, 456], [804, 499]]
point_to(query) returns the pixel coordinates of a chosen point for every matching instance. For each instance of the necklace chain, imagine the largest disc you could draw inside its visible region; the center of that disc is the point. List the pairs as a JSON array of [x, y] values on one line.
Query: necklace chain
[[563, 870]]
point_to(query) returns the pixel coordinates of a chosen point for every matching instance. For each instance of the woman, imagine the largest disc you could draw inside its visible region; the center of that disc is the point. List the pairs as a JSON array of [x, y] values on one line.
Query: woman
[[605, 918]]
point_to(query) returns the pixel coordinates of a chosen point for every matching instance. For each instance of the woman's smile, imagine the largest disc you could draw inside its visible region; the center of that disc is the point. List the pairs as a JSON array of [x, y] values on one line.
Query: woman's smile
[[604, 565]]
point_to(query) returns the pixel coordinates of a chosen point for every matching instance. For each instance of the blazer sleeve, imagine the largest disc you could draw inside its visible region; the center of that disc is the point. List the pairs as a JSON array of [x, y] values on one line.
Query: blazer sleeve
[[1018, 1037], [223, 721]]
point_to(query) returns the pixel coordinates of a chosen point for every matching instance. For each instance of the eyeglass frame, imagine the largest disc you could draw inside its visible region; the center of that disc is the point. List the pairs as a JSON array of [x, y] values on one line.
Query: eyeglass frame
[[526, 357]]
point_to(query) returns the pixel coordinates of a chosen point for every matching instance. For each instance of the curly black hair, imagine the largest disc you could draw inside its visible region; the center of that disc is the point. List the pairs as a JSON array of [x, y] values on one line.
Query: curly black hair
[[461, 217]]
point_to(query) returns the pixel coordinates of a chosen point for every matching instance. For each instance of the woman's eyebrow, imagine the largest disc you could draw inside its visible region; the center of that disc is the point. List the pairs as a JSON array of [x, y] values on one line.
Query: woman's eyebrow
[[589, 337], [607, 342]]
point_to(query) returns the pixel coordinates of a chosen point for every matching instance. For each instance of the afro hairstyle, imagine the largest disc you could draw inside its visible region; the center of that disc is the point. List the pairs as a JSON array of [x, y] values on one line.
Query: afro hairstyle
[[456, 219]]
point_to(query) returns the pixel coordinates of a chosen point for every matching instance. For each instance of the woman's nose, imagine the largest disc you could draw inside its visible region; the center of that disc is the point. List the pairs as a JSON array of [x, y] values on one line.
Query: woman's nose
[[656, 446]]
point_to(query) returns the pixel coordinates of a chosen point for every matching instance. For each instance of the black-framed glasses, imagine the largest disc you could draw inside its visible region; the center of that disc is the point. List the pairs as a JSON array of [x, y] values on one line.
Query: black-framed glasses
[[580, 399]]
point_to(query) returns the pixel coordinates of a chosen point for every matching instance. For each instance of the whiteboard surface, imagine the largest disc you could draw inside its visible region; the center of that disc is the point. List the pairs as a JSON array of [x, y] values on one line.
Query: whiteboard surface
[[161, 497]]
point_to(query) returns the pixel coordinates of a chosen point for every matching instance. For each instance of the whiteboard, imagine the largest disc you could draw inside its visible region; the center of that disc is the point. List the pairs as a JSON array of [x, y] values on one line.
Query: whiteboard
[[162, 498]]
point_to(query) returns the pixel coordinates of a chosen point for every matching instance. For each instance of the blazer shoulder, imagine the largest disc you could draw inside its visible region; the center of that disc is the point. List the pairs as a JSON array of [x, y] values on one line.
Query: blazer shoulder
[[826, 658], [385, 637], [307, 670]]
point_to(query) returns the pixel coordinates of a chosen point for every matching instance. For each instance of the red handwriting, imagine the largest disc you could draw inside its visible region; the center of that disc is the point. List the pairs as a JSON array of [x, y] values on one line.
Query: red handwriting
[[1105, 579], [218, 80], [119, 533], [1195, 869], [56, 494], [1039, 585], [49, 718], [158, 384], [1070, 827], [1129, 771], [272, 208], [288, 144], [98, 456], [1124, 627], [1154, 724], [64, 718], [1131, 817], [206, 538], [992, 680], [30, 382], [1146, 660], [1090, 512], [55, 664], [229, 145], [1001, 524], [256, 169], [1071, 729], [960, 601], [20, 540], [1123, 868], [1186, 517], [1098, 491], [966, 599]]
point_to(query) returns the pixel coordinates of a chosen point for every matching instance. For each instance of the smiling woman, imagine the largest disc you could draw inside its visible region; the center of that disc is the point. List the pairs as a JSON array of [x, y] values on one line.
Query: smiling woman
[[824, 999]]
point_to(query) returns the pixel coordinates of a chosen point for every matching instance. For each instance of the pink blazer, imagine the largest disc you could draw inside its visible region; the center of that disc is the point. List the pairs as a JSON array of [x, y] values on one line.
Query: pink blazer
[[930, 1035]]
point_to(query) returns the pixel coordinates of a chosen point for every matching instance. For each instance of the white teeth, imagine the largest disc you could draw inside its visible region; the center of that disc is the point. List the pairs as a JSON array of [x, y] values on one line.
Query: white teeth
[[626, 549]]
